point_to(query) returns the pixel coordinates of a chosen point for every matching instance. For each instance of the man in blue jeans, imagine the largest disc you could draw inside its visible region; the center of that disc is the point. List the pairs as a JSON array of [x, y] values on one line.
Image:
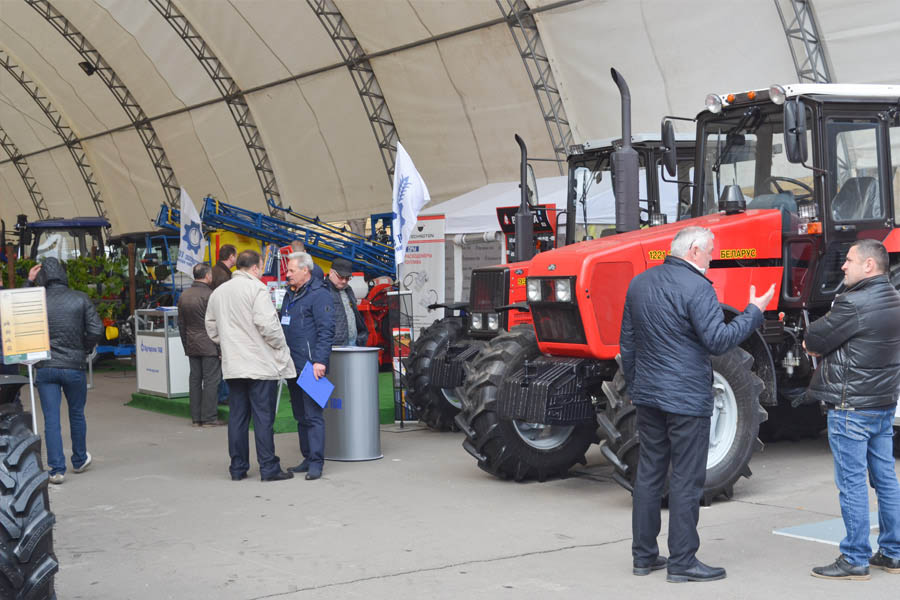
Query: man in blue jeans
[[75, 328], [857, 380]]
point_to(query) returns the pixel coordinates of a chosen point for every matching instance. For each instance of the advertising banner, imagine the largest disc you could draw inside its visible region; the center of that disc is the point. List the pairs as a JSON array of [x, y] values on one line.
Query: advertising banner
[[422, 271]]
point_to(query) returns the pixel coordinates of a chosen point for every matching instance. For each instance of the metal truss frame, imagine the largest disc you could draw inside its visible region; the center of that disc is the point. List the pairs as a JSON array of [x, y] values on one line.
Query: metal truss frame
[[232, 94], [523, 27], [139, 119], [61, 126], [37, 198], [803, 39], [363, 78]]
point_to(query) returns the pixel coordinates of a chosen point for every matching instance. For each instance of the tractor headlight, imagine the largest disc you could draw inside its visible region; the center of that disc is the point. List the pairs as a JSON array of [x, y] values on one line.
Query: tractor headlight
[[534, 290], [563, 290], [493, 321], [476, 321], [777, 94], [714, 103]]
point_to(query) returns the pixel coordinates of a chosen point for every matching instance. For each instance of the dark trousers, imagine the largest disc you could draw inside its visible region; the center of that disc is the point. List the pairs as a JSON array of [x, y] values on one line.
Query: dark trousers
[[310, 424], [683, 442], [256, 397], [206, 374]]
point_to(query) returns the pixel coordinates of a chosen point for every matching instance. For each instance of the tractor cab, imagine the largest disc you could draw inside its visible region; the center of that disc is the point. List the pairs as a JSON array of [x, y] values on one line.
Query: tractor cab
[[64, 239], [826, 156]]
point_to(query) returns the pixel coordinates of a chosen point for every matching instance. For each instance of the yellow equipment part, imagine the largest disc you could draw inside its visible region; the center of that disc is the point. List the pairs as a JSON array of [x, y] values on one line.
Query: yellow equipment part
[[112, 332]]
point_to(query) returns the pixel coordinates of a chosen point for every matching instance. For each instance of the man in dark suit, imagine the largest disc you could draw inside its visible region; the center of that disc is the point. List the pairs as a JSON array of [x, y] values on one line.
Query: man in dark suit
[[202, 353]]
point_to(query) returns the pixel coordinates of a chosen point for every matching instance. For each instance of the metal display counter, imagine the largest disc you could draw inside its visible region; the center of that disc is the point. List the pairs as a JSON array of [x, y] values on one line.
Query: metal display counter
[[351, 416], [162, 367]]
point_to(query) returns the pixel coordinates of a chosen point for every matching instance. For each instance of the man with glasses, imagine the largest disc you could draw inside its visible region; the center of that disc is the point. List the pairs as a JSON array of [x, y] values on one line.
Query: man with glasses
[[349, 325]]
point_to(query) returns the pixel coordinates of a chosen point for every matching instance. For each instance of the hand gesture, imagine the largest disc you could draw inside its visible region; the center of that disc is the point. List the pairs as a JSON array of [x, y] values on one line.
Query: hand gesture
[[318, 370], [32, 273], [761, 302]]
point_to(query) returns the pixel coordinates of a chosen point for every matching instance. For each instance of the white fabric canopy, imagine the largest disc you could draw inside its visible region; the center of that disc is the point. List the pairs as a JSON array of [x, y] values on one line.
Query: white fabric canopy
[[476, 211]]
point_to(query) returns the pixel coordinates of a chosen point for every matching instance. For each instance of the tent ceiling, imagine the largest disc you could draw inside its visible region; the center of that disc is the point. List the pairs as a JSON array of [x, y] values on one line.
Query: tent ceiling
[[456, 103]]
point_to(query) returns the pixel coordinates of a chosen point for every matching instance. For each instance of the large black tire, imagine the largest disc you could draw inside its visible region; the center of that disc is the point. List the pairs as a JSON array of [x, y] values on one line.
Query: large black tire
[[510, 449], [27, 561], [737, 388], [434, 406]]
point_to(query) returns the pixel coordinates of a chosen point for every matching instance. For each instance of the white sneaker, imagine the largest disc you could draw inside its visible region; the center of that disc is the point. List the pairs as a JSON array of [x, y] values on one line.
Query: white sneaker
[[84, 467], [57, 478]]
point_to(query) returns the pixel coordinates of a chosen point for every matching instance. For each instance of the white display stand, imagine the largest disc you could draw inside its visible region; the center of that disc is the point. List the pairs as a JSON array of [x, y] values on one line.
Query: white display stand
[[162, 367]]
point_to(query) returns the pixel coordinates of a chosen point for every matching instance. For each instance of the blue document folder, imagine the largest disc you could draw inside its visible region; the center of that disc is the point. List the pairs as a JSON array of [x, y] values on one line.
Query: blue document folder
[[318, 389]]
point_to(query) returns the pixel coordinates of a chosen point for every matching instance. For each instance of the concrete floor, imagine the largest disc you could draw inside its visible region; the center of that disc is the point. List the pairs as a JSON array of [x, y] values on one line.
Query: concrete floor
[[158, 517]]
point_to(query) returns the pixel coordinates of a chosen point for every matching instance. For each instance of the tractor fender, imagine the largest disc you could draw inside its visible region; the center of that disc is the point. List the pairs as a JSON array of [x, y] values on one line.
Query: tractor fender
[[763, 364]]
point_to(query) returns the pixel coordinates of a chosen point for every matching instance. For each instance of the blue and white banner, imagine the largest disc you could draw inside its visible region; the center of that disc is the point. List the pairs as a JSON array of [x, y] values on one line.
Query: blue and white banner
[[193, 244], [410, 195]]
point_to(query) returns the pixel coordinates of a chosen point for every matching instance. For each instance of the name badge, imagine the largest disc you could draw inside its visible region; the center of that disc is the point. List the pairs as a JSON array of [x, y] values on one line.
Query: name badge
[[286, 320]]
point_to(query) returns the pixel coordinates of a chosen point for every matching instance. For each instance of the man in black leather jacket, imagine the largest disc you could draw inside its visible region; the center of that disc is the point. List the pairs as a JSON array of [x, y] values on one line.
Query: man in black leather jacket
[[75, 328], [671, 324], [857, 380]]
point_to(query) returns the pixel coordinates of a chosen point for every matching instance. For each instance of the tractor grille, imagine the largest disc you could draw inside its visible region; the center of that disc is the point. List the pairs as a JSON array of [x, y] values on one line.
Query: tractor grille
[[490, 289], [558, 322]]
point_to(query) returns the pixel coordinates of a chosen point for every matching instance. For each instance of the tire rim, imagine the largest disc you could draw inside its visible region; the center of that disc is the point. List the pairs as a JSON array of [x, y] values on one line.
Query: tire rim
[[724, 421], [452, 395], [543, 437]]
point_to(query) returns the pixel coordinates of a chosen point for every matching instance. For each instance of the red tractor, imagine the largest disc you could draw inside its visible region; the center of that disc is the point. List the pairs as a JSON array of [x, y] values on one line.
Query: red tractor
[[776, 220], [443, 352]]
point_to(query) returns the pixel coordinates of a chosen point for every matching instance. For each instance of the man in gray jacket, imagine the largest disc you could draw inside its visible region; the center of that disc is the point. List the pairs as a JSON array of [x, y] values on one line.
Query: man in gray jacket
[[202, 353], [241, 318], [75, 328], [857, 380]]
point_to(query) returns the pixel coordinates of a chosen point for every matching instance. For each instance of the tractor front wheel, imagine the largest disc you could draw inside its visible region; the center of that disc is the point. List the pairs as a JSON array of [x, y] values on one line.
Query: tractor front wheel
[[512, 449], [436, 407]]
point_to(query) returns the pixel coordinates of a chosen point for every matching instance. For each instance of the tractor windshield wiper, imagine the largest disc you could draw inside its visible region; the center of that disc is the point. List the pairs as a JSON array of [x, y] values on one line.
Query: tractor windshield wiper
[[732, 136]]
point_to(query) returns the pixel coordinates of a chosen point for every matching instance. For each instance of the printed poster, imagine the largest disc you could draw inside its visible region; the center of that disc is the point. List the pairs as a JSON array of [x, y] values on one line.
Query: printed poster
[[422, 271], [23, 325]]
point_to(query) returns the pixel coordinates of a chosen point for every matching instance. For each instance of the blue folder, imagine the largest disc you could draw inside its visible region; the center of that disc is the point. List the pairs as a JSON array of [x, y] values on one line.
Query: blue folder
[[318, 389]]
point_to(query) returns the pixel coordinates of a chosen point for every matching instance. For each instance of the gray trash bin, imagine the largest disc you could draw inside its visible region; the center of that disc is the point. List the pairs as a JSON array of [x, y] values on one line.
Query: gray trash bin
[[351, 415]]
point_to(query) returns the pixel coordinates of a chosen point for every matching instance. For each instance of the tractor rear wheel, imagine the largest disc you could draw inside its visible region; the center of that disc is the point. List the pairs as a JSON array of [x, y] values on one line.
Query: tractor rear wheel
[[734, 426], [512, 449], [436, 407], [26, 523]]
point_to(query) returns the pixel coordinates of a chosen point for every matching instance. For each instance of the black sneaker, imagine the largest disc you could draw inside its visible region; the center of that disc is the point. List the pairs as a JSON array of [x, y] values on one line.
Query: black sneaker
[[886, 563], [841, 569]]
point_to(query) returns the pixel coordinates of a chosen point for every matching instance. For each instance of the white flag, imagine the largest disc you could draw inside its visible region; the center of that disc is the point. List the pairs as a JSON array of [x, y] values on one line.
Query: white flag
[[193, 244], [410, 195]]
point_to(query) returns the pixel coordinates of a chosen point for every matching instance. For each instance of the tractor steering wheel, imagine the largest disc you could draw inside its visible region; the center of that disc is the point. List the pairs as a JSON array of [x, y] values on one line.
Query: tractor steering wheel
[[772, 181]]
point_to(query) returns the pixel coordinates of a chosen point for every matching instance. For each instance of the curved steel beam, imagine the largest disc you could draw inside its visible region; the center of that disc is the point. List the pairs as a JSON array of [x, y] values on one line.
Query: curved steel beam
[[524, 30], [139, 119], [232, 94], [37, 198], [363, 78], [60, 125], [803, 39]]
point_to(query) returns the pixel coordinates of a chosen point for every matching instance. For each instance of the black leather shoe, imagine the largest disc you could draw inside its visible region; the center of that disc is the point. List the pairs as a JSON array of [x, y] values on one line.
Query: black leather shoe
[[313, 474], [301, 468], [279, 476], [841, 569], [644, 569], [238, 477], [880, 561], [699, 572]]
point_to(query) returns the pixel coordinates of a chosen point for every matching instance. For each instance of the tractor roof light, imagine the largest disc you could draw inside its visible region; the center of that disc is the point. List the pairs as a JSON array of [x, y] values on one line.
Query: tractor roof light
[[714, 103], [777, 94]]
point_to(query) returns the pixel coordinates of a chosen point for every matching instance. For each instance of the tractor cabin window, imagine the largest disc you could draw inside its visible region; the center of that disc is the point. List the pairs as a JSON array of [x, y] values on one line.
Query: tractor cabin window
[[855, 193], [895, 167]]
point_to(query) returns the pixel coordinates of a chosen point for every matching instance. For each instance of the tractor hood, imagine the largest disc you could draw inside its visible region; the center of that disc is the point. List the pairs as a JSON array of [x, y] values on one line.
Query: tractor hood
[[747, 252]]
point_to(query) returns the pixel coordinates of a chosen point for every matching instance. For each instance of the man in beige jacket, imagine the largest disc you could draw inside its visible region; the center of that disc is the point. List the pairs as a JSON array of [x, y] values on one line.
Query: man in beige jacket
[[241, 318]]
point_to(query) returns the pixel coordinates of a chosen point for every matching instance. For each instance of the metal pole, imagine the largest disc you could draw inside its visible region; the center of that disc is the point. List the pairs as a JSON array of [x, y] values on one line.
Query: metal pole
[[30, 364]]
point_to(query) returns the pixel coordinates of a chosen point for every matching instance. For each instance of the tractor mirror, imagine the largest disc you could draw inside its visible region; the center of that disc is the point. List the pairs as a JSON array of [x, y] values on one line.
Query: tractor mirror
[[668, 141], [532, 188], [795, 131]]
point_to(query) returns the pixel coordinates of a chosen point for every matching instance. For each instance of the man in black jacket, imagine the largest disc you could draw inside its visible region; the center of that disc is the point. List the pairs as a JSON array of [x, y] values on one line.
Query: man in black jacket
[[672, 323], [857, 380], [75, 328], [202, 352], [349, 326]]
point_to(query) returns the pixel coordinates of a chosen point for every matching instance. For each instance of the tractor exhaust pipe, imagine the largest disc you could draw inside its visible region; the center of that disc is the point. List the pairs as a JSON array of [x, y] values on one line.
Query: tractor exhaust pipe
[[524, 248], [625, 167]]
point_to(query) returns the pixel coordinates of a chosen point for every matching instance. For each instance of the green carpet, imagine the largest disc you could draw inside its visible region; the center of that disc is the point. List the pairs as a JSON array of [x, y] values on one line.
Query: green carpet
[[284, 419]]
